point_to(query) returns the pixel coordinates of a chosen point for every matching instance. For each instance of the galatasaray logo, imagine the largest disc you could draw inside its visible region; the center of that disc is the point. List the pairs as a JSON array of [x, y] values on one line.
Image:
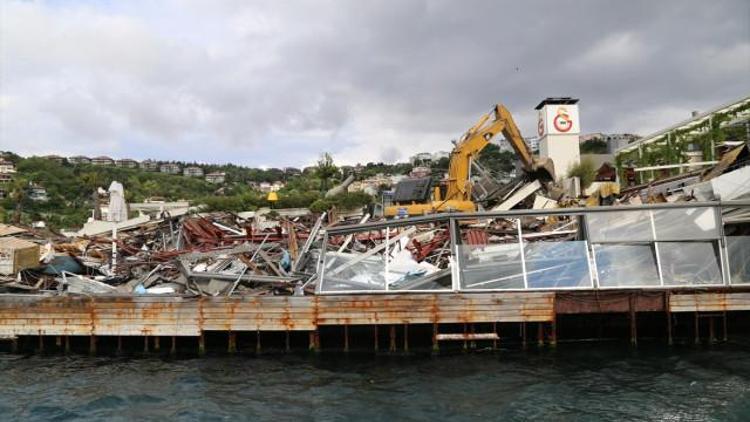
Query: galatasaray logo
[[562, 121], [540, 125]]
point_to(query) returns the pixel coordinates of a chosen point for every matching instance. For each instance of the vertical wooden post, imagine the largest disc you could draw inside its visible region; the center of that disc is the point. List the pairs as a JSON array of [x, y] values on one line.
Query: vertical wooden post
[[314, 340], [406, 338], [173, 349], [466, 331], [697, 329], [524, 343], [145, 344], [287, 346], [711, 336], [553, 332], [668, 311], [392, 346], [41, 344], [92, 345], [119, 344], [232, 342], [633, 322], [67, 344], [201, 344], [473, 343], [14, 345], [257, 342], [540, 334], [726, 338], [157, 344], [375, 339], [58, 342], [435, 345], [494, 330], [346, 338]]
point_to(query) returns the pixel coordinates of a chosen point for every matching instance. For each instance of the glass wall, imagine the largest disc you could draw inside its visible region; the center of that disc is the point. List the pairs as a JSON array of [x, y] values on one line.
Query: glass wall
[[677, 247]]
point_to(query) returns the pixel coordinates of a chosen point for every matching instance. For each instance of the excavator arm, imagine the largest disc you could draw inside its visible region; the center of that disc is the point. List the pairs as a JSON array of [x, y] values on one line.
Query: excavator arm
[[499, 120]]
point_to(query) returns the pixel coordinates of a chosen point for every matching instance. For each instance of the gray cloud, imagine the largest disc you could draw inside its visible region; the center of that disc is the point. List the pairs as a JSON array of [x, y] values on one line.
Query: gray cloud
[[275, 83]]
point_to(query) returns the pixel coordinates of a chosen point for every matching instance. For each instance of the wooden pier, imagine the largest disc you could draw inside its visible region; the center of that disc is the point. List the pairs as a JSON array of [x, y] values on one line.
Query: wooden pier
[[180, 317]]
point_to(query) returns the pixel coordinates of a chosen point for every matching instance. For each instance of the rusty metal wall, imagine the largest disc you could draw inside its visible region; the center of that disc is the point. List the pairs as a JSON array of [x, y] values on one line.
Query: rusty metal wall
[[180, 316]]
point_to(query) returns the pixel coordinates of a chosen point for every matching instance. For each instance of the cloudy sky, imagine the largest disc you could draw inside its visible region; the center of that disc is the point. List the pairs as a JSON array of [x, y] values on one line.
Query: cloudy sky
[[275, 83]]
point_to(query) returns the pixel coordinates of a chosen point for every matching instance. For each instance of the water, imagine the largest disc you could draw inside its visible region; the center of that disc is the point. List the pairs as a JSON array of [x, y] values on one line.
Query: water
[[575, 382]]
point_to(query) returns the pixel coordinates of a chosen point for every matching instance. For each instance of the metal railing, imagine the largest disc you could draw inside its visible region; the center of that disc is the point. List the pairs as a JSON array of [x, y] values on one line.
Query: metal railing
[[679, 245]]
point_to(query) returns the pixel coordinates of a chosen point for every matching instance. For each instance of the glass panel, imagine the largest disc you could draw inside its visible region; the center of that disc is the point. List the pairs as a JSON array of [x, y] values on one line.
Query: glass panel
[[495, 266], [626, 265], [738, 248], [418, 258], [686, 224], [557, 264], [690, 263], [343, 273], [620, 226]]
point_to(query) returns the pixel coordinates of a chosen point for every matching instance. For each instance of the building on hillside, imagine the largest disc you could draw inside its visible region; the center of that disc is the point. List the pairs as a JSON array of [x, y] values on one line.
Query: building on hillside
[[102, 161], [192, 171], [170, 168], [6, 177], [55, 158], [216, 178], [127, 163], [420, 171], [79, 159], [7, 167], [277, 186], [150, 165], [38, 193], [3, 193], [264, 187]]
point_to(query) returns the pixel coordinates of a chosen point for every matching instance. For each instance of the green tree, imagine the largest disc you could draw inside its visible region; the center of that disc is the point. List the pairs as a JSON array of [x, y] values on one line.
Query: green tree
[[325, 170]]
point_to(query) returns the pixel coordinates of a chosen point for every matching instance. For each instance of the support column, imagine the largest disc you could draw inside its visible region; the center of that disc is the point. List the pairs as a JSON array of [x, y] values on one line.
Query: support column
[[92, 345], [392, 333], [697, 330], [201, 344], [67, 344], [173, 349], [406, 338], [157, 344], [435, 345], [540, 334], [346, 339], [494, 330], [726, 338], [41, 344], [145, 344], [287, 346], [119, 344], [257, 342], [232, 342], [375, 339], [668, 312], [524, 343], [633, 322]]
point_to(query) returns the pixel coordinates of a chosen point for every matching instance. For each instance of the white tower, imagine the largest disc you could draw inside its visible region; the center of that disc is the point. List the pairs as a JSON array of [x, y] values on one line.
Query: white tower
[[559, 128]]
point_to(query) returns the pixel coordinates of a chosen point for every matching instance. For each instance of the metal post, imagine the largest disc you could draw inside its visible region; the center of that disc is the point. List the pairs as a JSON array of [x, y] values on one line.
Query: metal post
[[633, 321], [668, 312], [455, 239], [523, 256], [656, 248], [387, 255]]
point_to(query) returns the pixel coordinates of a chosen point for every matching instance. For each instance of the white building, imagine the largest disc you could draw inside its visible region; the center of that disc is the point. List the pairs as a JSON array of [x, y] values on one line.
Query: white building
[[170, 168], [558, 127], [7, 167], [150, 165], [38, 193], [127, 163], [192, 171], [216, 178], [79, 159], [102, 161]]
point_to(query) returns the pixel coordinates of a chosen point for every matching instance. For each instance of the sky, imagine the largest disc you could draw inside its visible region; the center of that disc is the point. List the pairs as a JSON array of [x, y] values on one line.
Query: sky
[[276, 83]]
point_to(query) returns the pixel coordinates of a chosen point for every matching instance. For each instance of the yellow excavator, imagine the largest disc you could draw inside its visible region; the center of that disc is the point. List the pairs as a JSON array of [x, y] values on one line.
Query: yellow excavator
[[415, 196]]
